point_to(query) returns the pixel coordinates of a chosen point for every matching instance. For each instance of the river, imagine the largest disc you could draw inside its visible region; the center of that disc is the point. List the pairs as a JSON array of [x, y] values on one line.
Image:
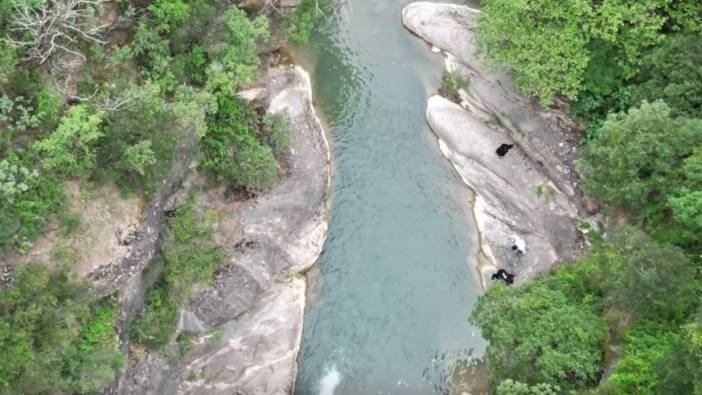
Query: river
[[389, 298]]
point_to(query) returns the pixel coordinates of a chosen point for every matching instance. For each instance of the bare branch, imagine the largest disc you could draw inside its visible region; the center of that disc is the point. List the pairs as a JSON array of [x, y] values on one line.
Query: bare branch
[[54, 26]]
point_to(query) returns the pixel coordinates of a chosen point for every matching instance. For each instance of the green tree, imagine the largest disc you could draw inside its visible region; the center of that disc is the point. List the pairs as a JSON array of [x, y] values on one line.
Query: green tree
[[191, 257], [548, 43], [648, 279], [139, 157], [54, 337], [233, 56], [70, 149], [646, 346], [302, 21], [539, 334], [682, 369], [544, 42], [277, 132], [635, 158], [169, 12], [672, 72], [231, 149]]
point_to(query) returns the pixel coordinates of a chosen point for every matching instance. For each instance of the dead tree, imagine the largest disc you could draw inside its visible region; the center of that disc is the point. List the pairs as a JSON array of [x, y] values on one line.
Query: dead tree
[[54, 26]]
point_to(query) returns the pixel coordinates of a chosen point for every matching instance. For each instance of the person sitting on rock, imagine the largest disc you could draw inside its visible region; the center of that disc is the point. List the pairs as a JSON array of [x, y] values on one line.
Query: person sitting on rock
[[504, 276], [518, 246], [503, 149]]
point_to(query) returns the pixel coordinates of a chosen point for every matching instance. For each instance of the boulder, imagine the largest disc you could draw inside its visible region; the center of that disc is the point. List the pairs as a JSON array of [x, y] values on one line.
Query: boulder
[[527, 199]]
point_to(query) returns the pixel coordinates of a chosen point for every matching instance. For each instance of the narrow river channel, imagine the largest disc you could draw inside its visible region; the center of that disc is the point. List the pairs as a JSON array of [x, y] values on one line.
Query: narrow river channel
[[388, 300]]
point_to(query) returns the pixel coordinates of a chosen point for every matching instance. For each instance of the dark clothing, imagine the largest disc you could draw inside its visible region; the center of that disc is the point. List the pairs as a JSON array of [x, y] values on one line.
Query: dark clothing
[[504, 276], [503, 149]]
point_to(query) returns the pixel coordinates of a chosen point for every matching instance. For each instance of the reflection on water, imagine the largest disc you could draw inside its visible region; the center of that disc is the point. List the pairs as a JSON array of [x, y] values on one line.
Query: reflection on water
[[390, 295]]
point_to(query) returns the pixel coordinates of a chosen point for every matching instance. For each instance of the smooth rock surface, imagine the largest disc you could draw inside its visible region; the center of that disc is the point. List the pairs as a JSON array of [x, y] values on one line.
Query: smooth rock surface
[[249, 321], [516, 205], [527, 198], [491, 95]]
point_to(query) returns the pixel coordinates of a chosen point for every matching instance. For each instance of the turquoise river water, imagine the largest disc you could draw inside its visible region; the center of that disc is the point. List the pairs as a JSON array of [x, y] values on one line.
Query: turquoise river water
[[389, 298]]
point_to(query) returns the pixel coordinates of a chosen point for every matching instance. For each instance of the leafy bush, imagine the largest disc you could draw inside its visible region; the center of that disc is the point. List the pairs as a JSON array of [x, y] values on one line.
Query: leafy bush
[[28, 201], [234, 59], [277, 132], [300, 24], [451, 83], [672, 72], [123, 155], [169, 12], [540, 334], [635, 159], [70, 149], [54, 337], [510, 387], [647, 344], [190, 258], [231, 150], [550, 49]]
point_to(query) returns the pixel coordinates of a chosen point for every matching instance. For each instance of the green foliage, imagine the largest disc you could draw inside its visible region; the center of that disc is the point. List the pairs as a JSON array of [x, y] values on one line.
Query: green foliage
[[549, 43], [634, 160], [29, 199], [682, 369], [451, 83], [687, 211], [672, 72], [543, 332], [300, 24], [155, 324], [544, 42], [8, 58], [254, 164], [648, 279], [231, 149], [139, 157], [169, 12], [70, 149], [604, 87], [647, 344], [54, 338], [190, 258], [123, 152], [277, 132], [510, 387], [234, 60]]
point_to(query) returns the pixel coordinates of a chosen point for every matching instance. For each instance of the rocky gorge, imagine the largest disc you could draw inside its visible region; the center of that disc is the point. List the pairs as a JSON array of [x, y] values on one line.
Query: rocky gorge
[[527, 205], [247, 324]]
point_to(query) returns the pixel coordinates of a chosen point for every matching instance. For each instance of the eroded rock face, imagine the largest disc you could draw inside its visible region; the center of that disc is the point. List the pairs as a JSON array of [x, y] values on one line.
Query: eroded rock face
[[516, 205], [545, 135], [527, 202], [249, 321]]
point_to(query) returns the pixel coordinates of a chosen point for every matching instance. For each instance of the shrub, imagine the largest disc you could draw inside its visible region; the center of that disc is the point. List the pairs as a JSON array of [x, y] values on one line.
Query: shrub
[[190, 258], [451, 83], [231, 150], [635, 159], [300, 24], [277, 132], [540, 334], [70, 149], [28, 201], [55, 338]]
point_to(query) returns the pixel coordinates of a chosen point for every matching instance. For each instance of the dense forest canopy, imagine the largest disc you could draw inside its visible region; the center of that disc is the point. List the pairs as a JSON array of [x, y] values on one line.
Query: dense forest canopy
[[625, 318]]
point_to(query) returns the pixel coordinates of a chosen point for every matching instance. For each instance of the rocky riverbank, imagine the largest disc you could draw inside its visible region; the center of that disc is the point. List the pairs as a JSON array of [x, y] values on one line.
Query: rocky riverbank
[[527, 204], [247, 324]]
